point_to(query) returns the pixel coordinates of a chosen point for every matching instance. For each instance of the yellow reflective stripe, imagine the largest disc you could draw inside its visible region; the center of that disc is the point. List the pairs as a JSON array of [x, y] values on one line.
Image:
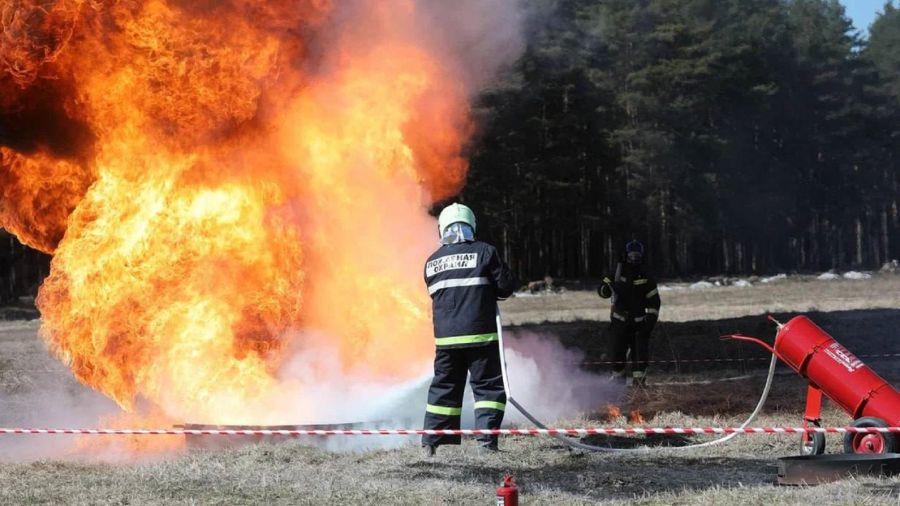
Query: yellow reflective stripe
[[653, 292], [641, 281], [652, 310], [477, 338], [618, 316], [443, 410], [607, 280], [499, 406]]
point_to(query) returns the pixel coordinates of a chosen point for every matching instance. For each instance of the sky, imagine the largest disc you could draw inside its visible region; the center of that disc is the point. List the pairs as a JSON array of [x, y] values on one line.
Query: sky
[[863, 12]]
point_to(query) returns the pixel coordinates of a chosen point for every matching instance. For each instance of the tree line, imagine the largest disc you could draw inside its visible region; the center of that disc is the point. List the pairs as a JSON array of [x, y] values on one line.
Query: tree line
[[22, 269], [730, 136]]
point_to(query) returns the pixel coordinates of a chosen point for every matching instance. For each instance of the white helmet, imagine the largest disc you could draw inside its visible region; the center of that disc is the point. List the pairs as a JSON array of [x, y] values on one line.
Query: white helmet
[[455, 213]]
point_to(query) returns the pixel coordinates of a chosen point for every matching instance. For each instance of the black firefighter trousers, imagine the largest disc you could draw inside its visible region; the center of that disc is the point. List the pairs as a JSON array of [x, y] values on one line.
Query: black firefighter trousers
[[482, 363], [629, 335]]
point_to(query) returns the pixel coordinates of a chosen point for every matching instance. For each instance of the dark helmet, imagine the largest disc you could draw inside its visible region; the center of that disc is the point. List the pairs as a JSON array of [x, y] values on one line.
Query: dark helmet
[[634, 252]]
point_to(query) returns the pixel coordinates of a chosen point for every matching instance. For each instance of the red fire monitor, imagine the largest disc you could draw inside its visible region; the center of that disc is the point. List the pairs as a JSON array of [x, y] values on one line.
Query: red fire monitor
[[836, 372]]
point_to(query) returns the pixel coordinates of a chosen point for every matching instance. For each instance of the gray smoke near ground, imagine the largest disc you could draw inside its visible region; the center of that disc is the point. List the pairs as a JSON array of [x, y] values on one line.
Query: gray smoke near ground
[[39, 392], [49, 408], [544, 377]]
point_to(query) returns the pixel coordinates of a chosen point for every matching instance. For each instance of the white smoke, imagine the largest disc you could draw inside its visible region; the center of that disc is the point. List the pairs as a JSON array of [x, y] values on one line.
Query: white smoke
[[485, 37], [42, 394], [480, 38], [543, 375], [546, 379]]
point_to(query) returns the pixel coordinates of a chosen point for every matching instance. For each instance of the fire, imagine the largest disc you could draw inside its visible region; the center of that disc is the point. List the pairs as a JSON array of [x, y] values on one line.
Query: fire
[[254, 188], [128, 446], [613, 411], [37, 194]]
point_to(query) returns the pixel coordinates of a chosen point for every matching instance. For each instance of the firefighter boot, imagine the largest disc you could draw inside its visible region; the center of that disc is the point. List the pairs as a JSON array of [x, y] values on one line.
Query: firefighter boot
[[639, 379], [488, 447], [430, 450], [618, 377]]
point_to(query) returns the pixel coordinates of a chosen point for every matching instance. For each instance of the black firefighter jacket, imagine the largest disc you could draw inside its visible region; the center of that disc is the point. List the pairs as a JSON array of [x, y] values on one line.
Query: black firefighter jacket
[[464, 281], [635, 296]]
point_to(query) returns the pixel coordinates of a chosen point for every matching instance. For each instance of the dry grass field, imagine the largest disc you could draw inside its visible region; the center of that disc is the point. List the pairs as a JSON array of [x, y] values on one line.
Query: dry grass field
[[864, 315], [681, 303]]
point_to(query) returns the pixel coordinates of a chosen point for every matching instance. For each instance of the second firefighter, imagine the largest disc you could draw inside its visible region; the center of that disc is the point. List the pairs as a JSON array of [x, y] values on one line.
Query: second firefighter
[[634, 312]]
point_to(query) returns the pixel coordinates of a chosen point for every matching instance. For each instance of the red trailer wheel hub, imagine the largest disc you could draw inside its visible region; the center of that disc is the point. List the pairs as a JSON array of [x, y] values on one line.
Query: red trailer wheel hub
[[868, 443]]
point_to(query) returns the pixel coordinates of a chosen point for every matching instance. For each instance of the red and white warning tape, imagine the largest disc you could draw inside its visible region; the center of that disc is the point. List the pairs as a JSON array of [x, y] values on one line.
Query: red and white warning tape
[[596, 362], [708, 360], [448, 432]]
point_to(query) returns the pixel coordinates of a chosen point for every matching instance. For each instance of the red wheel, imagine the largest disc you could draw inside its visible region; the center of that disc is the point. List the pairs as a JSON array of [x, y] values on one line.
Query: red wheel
[[874, 442], [868, 443]]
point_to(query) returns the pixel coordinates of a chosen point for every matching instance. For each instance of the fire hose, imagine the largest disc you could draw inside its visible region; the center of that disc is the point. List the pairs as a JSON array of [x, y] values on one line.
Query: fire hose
[[588, 431], [593, 448]]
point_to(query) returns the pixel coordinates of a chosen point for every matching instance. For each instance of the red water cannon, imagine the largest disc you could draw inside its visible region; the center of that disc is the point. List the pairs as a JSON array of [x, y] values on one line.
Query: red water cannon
[[836, 372]]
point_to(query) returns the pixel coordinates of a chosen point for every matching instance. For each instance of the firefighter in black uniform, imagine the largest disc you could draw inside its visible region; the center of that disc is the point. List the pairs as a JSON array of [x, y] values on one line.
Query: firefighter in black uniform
[[635, 310], [465, 278]]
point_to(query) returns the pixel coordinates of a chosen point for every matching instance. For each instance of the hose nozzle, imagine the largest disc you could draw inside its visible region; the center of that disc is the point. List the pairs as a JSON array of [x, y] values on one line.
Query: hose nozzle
[[776, 322]]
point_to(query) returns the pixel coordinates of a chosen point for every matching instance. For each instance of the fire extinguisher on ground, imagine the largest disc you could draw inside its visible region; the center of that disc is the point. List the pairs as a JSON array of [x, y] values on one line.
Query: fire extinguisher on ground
[[507, 493]]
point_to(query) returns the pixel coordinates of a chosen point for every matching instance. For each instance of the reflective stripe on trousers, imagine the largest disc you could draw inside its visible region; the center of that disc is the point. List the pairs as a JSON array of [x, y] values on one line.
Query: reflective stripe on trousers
[[499, 406], [443, 410], [472, 339]]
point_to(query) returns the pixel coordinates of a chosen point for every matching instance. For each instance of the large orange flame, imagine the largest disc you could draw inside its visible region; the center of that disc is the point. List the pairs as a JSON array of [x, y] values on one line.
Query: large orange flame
[[255, 187]]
